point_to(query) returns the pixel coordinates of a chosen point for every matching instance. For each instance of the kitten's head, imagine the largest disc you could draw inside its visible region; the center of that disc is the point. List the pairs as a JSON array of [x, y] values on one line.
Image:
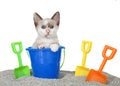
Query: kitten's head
[[47, 27]]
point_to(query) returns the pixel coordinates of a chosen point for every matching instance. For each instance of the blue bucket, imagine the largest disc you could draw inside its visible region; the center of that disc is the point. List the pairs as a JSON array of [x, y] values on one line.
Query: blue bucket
[[45, 63]]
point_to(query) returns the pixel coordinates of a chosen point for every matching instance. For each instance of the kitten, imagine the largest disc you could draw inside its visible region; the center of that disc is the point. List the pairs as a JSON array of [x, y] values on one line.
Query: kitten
[[47, 31]]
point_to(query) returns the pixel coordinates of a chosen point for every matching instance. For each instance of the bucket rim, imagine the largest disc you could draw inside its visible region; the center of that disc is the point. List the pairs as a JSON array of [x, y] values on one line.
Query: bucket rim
[[38, 49]]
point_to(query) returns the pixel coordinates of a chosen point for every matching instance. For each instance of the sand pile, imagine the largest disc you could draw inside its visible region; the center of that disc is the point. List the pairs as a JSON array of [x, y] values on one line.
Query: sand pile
[[67, 78]]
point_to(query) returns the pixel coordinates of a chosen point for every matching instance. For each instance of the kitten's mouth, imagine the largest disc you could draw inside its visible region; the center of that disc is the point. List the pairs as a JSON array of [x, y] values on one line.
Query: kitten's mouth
[[47, 35], [47, 32]]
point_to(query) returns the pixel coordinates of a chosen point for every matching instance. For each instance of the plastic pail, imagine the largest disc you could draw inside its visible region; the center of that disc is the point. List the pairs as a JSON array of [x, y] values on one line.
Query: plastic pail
[[45, 63]]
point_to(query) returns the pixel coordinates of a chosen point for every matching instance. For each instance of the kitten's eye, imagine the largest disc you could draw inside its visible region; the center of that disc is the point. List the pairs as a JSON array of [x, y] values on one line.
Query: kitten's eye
[[51, 26], [43, 26]]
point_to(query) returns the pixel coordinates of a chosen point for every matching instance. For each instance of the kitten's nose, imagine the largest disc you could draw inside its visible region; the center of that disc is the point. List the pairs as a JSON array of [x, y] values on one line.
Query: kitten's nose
[[48, 30]]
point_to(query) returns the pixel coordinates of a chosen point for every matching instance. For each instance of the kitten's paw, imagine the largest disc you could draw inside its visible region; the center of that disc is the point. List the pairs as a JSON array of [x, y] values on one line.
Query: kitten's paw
[[54, 47], [41, 46]]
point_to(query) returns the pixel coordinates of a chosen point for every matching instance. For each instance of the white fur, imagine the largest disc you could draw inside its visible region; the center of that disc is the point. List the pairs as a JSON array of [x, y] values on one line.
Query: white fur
[[54, 47], [46, 39]]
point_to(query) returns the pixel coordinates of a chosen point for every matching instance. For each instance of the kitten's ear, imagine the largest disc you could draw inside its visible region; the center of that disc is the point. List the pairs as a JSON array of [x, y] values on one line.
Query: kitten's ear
[[56, 17], [37, 18]]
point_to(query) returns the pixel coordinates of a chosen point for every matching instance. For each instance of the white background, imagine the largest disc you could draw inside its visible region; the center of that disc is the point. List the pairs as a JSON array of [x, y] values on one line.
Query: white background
[[94, 20]]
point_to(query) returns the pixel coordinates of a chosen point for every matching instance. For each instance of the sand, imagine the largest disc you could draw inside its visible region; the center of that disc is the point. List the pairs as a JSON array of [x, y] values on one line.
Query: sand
[[67, 78]]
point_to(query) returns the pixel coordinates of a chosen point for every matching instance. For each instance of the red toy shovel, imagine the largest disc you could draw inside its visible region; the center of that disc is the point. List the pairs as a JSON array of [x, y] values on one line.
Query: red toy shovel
[[97, 75]]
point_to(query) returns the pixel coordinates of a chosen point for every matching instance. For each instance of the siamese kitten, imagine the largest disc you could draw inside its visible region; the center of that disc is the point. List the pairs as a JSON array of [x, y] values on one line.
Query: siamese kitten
[[47, 31]]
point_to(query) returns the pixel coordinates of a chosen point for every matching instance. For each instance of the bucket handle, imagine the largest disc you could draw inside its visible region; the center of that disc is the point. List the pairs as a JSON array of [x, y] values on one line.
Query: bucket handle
[[63, 58]]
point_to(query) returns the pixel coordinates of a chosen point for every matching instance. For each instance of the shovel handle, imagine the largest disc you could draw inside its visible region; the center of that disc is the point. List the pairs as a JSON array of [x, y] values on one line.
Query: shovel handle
[[85, 51], [112, 53], [84, 43], [107, 57], [17, 51], [19, 44]]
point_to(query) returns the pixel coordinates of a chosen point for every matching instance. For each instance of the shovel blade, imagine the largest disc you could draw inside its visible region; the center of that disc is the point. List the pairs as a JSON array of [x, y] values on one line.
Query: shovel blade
[[96, 76], [21, 71], [81, 71]]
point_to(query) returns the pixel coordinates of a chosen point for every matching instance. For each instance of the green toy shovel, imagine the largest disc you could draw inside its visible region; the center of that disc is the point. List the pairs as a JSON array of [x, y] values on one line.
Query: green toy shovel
[[21, 70]]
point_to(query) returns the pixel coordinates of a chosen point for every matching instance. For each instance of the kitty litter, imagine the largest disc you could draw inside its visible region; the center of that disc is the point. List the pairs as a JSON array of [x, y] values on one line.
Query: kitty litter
[[66, 78]]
